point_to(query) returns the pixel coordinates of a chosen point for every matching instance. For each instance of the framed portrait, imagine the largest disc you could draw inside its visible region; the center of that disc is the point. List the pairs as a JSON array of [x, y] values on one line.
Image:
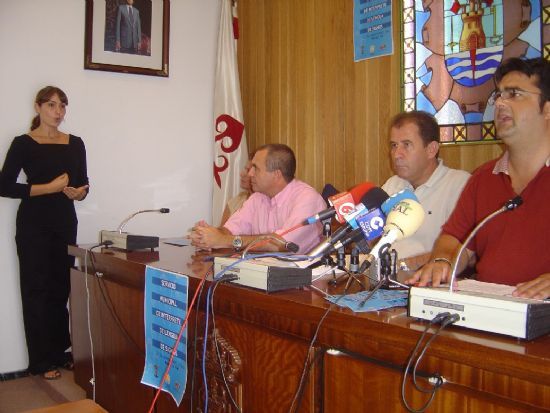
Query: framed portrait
[[451, 50], [127, 36]]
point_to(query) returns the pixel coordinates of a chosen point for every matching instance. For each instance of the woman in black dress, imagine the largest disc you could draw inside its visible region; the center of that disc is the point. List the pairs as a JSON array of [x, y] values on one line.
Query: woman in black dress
[[55, 166]]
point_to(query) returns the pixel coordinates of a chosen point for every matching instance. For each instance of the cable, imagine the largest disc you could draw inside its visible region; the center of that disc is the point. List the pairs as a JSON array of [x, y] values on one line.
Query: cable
[[215, 337], [110, 306], [175, 348], [305, 368], [89, 250], [195, 336], [205, 339], [205, 342], [444, 319]]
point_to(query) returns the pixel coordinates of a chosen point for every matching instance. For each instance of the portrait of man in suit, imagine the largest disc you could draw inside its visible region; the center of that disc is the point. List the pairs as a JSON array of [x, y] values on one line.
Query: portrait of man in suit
[[128, 26]]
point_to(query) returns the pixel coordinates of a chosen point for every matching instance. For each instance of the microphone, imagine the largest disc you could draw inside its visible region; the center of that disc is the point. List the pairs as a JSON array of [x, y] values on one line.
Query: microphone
[[328, 191], [393, 200], [289, 246], [403, 220], [343, 200], [372, 198], [369, 226], [345, 203], [508, 206], [123, 223], [127, 241]]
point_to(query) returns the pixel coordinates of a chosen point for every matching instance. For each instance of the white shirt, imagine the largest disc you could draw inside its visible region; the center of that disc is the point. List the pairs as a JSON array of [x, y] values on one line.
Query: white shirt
[[438, 197]]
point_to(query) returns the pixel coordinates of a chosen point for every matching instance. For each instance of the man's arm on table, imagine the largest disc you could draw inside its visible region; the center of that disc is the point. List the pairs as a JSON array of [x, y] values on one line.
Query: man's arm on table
[[438, 272], [207, 237]]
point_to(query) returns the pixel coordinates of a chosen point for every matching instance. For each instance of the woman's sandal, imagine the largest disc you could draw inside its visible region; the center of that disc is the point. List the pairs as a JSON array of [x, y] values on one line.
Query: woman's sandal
[[53, 374]]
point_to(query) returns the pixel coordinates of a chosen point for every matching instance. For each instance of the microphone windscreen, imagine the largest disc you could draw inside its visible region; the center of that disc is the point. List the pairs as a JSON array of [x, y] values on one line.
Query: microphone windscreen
[[164, 210], [292, 247], [406, 216], [359, 190], [328, 191], [374, 198], [393, 200]]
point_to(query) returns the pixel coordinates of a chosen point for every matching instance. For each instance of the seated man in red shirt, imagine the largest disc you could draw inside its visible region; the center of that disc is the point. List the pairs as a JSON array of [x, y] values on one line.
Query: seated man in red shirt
[[512, 248]]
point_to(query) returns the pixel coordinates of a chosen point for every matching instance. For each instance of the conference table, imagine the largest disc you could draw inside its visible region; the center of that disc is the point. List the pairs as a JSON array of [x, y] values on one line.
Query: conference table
[[262, 348]]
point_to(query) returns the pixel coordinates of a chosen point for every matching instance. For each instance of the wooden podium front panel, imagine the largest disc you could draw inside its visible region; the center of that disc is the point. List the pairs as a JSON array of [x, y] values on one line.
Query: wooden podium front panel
[[351, 384], [264, 339], [116, 317]]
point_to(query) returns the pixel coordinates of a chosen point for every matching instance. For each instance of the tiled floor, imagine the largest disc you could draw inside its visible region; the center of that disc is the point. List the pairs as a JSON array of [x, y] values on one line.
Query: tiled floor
[[33, 392]]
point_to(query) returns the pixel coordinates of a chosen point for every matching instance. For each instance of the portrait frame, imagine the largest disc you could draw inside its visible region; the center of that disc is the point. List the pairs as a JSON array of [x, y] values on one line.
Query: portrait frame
[[150, 58], [450, 52]]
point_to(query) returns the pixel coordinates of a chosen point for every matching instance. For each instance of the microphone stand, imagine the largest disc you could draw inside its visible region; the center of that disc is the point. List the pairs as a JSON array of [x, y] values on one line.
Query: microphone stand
[[353, 270], [123, 223]]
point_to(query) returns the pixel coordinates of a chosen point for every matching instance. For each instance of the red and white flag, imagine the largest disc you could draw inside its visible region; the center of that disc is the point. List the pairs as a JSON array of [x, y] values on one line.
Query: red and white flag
[[230, 149]]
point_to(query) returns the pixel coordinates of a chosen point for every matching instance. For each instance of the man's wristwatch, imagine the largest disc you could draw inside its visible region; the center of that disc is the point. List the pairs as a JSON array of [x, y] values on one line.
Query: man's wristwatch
[[237, 242]]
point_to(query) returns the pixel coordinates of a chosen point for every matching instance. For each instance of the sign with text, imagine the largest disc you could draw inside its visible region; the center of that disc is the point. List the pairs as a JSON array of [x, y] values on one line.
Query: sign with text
[[165, 309], [372, 29]]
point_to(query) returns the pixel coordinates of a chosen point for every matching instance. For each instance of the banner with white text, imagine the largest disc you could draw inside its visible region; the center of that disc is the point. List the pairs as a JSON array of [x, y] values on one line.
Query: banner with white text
[[165, 309]]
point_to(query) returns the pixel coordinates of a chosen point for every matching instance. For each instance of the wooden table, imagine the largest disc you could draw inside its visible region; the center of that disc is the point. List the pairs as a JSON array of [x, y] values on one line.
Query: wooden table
[[264, 340]]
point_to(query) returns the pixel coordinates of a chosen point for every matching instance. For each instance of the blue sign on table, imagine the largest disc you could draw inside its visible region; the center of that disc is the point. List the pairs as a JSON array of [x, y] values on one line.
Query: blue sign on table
[[372, 28], [165, 310]]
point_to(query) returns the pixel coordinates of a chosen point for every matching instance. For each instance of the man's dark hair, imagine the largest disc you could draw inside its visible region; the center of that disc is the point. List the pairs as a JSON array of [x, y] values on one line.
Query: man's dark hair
[[426, 123], [539, 67], [280, 157]]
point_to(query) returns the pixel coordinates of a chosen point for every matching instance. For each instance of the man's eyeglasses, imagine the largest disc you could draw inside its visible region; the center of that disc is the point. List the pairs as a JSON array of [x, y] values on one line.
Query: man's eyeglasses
[[506, 94]]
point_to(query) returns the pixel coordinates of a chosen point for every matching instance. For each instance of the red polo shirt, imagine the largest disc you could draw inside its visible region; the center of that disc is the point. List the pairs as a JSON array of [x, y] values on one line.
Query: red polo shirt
[[514, 246]]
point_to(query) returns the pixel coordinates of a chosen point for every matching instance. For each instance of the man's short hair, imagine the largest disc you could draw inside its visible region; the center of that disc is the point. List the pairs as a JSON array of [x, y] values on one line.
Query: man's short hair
[[280, 157], [538, 67], [426, 124]]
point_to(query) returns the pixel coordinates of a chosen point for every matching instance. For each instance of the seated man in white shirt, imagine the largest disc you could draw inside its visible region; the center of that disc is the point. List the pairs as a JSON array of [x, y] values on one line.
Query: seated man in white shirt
[[414, 140]]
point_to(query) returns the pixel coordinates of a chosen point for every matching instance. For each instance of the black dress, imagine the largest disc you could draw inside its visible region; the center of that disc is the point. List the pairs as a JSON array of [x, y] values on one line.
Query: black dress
[[45, 225]]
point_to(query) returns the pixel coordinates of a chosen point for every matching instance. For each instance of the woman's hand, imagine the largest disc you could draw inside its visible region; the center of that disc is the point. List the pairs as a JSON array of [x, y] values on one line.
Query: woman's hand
[[76, 194], [59, 183]]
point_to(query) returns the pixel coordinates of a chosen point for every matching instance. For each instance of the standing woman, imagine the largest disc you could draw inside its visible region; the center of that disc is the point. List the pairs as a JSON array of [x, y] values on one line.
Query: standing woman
[[55, 165]]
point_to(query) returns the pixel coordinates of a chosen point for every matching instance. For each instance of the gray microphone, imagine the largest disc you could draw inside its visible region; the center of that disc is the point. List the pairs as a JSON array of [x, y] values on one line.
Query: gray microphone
[[130, 242], [123, 223]]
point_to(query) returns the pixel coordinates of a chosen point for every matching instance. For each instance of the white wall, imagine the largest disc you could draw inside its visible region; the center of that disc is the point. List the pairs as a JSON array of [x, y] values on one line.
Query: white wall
[[148, 139]]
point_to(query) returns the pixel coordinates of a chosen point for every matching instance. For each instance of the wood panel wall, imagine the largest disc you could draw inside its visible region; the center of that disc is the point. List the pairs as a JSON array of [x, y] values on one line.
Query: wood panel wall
[[300, 86]]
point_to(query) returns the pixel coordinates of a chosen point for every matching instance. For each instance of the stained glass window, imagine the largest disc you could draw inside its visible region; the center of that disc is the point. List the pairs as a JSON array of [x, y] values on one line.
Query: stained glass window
[[451, 49]]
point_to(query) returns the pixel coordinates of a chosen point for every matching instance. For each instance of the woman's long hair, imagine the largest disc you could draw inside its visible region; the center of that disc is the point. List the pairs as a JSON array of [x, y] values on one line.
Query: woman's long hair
[[44, 95]]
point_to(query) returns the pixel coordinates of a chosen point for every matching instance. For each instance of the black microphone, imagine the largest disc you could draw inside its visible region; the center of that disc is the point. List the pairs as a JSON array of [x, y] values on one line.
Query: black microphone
[[508, 206], [355, 235], [372, 199], [289, 246], [356, 193]]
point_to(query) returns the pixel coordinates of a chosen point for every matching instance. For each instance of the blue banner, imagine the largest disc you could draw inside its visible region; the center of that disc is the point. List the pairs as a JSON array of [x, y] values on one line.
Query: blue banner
[[165, 310], [372, 29]]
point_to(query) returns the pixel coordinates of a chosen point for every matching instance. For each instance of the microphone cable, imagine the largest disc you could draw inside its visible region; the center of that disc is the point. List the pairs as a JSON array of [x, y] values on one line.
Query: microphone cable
[[88, 319], [216, 345], [175, 348], [444, 319], [209, 298]]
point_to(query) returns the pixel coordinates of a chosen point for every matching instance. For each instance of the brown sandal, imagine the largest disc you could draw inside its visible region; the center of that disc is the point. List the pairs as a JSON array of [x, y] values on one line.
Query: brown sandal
[[53, 374]]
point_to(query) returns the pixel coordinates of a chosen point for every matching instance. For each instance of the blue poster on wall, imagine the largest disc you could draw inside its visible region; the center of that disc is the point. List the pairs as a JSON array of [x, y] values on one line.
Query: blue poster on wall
[[372, 29], [165, 309]]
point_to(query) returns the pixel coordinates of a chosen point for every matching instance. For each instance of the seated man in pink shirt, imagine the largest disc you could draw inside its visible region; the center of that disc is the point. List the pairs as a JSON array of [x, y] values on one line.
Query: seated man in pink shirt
[[279, 202]]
